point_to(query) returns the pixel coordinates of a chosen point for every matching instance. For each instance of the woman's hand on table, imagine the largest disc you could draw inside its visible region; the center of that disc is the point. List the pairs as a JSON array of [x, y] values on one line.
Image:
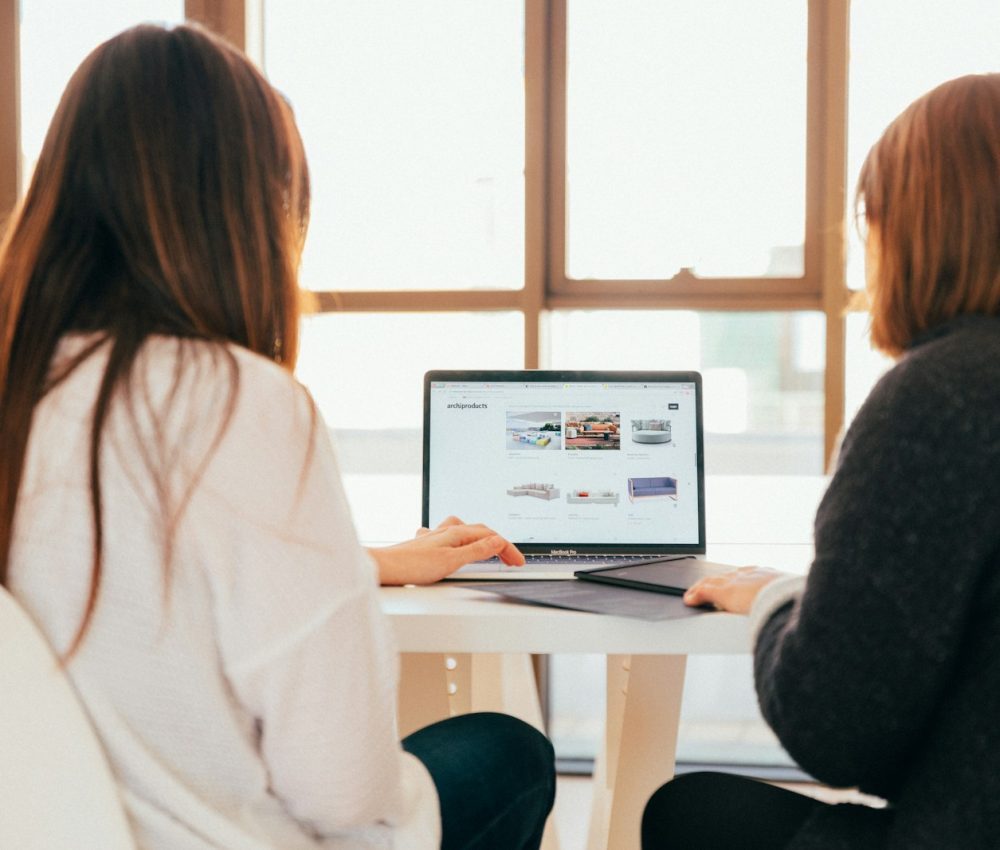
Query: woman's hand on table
[[437, 552], [734, 591]]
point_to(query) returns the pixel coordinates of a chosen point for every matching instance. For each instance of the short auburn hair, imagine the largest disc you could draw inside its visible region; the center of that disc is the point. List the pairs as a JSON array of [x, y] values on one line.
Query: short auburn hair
[[930, 194]]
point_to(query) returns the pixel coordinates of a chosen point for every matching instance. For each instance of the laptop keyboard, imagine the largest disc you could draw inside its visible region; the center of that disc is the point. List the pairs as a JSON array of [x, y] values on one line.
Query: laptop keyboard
[[582, 561]]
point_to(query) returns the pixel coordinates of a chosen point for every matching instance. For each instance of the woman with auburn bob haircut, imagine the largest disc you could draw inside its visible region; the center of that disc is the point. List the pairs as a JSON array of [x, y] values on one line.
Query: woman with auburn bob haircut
[[171, 514], [879, 671]]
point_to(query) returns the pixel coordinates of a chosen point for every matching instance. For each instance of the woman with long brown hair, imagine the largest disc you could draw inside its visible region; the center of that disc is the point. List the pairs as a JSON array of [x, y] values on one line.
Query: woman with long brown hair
[[879, 671], [171, 514]]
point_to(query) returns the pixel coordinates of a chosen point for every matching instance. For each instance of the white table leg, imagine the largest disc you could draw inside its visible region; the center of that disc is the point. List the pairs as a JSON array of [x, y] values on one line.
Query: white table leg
[[640, 745], [432, 687], [506, 682], [423, 691]]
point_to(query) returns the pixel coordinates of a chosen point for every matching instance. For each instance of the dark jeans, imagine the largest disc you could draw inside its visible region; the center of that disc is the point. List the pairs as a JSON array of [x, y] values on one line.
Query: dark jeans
[[718, 811], [495, 778]]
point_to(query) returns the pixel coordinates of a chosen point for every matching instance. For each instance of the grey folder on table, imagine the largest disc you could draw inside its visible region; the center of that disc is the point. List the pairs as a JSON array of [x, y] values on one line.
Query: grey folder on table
[[595, 598]]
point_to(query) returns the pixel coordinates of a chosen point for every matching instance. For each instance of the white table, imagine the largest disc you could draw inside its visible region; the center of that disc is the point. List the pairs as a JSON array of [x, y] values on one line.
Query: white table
[[464, 650]]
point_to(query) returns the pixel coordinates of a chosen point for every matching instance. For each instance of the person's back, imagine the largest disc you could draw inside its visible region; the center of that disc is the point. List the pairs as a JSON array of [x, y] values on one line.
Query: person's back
[[265, 583], [884, 678], [944, 788], [879, 670]]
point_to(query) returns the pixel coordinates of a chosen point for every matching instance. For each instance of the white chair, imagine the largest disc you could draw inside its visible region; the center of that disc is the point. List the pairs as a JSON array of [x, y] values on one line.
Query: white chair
[[56, 789]]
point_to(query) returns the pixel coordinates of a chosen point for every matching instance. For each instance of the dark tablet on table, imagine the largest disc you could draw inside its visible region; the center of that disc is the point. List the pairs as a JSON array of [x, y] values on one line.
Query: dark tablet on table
[[672, 576]]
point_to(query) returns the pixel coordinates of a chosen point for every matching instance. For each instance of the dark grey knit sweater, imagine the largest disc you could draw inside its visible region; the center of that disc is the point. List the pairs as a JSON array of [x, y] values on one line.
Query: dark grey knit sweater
[[885, 674]]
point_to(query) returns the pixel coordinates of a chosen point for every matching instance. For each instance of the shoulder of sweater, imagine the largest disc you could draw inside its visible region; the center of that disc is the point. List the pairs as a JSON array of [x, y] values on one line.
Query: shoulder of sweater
[[966, 348], [951, 374], [958, 331]]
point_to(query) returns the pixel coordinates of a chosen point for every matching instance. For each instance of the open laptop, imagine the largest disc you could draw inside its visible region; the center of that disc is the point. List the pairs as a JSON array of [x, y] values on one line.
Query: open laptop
[[578, 469]]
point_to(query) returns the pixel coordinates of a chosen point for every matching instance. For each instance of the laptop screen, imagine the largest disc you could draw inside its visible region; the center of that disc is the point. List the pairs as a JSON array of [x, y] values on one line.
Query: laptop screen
[[589, 461]]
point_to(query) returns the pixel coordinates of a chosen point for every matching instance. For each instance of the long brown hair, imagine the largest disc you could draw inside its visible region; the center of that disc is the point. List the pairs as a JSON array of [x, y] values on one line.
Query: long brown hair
[[171, 198], [930, 190]]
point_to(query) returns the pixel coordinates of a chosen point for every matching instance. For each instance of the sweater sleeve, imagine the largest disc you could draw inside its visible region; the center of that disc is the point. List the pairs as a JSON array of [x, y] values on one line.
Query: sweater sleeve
[[302, 640], [850, 674]]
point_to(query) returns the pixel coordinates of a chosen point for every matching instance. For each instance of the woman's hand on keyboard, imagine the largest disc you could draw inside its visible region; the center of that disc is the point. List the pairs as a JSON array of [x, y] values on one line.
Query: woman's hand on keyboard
[[438, 552]]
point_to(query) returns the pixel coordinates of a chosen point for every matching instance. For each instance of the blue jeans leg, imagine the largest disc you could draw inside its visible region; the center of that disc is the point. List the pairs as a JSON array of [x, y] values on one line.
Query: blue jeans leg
[[495, 778]]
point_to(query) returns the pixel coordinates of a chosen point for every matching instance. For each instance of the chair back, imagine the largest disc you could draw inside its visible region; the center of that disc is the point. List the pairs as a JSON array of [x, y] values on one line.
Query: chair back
[[56, 788]]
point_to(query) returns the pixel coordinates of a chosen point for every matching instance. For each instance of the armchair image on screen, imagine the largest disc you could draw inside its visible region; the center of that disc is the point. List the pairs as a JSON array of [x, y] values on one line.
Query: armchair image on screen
[[651, 431]]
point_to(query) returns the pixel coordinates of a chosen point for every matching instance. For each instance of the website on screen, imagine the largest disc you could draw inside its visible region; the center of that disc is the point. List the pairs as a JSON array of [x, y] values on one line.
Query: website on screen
[[580, 463]]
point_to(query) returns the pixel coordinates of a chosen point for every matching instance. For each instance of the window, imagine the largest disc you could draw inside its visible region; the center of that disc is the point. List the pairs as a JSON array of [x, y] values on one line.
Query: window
[[365, 371], [930, 42], [685, 121], [413, 119], [763, 375]]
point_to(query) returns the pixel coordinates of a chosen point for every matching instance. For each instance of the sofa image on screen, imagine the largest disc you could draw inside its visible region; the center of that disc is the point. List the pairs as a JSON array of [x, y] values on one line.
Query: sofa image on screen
[[595, 497], [539, 491], [643, 488], [590, 433], [651, 431], [534, 429], [532, 438]]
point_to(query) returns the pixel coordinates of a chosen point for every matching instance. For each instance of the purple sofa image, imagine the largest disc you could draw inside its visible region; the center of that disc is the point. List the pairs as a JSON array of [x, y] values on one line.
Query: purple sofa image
[[643, 487]]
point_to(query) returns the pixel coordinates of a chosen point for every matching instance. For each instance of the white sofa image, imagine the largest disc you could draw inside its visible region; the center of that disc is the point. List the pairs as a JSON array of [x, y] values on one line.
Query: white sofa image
[[597, 497], [539, 491]]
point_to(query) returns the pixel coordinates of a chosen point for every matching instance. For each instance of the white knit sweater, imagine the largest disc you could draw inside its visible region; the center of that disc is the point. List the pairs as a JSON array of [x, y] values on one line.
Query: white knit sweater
[[248, 701]]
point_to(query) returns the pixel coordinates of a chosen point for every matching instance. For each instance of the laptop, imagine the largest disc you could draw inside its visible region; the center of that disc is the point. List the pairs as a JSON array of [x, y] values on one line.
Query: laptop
[[578, 469]]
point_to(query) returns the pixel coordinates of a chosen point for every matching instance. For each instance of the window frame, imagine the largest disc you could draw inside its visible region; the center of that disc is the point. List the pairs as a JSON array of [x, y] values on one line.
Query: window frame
[[10, 109], [822, 287]]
